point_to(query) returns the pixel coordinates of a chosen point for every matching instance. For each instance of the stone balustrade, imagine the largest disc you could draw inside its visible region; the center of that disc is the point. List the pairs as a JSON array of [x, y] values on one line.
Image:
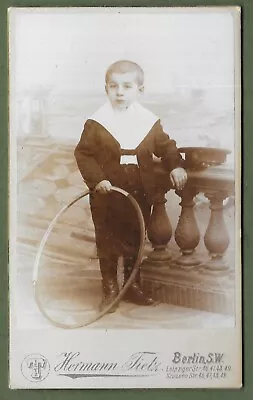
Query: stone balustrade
[[203, 280]]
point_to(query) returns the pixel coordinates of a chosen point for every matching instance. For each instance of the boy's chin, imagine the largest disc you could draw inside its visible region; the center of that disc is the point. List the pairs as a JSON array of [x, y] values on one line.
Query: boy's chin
[[121, 106]]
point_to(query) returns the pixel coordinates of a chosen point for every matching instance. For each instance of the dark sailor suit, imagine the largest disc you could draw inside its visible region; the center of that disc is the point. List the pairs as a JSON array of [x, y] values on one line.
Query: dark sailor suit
[[120, 149]]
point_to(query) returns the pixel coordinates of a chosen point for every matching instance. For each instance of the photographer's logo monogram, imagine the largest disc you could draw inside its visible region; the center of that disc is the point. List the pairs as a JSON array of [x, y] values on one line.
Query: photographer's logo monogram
[[35, 367]]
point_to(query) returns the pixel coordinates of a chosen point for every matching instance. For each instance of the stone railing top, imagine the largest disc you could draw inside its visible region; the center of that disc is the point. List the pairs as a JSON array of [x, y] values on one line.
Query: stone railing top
[[203, 157], [220, 177]]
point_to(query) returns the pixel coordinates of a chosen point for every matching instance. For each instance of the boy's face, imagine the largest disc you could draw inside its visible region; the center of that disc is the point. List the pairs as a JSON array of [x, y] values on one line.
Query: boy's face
[[123, 89]]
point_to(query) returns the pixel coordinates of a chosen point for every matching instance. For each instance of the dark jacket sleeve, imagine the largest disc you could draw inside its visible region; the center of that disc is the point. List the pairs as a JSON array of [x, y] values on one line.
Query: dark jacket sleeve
[[166, 149], [85, 154]]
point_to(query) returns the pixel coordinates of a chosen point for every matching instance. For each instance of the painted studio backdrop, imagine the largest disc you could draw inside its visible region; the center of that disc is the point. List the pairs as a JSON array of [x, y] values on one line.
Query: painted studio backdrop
[[58, 61]]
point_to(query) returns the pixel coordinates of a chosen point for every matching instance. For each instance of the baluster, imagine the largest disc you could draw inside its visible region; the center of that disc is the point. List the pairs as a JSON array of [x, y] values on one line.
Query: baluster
[[187, 234], [216, 238], [159, 231]]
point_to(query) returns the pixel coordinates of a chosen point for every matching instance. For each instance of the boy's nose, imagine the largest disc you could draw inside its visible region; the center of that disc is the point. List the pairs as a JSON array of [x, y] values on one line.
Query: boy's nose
[[120, 90]]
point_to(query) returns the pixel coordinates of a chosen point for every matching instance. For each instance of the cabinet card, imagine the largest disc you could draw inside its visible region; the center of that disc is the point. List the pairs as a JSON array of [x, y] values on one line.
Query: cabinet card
[[125, 169]]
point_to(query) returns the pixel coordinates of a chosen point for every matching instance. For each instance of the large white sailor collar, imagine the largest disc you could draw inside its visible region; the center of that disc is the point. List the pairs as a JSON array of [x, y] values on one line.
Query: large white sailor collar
[[128, 127]]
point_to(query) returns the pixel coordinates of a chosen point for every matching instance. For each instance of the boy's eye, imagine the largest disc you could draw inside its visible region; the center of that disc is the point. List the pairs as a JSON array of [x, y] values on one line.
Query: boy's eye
[[128, 86], [112, 85]]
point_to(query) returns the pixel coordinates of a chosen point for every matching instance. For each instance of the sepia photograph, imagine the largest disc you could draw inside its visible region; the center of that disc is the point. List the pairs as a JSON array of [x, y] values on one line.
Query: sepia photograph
[[125, 197]]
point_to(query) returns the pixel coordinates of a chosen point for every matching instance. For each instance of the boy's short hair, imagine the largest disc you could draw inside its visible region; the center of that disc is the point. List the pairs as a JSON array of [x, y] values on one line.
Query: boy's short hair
[[124, 66]]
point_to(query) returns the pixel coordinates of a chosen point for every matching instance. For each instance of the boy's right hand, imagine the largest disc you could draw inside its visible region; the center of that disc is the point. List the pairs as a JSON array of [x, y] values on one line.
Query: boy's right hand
[[103, 187]]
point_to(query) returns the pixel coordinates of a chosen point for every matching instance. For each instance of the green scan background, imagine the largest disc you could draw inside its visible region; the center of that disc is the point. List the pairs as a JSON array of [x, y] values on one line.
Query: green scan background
[[246, 392]]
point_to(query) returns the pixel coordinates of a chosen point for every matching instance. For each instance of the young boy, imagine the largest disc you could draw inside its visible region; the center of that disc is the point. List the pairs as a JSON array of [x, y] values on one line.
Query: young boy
[[116, 148]]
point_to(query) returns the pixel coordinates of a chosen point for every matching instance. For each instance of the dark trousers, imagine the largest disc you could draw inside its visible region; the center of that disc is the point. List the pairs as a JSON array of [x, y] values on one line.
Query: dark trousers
[[116, 223]]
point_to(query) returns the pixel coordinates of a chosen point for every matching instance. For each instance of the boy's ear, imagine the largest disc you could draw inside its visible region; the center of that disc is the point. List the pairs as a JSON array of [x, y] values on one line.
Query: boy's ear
[[141, 88], [106, 89]]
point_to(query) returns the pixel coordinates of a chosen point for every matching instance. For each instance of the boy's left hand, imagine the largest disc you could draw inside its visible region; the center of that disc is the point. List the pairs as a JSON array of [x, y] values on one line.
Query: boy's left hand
[[178, 177]]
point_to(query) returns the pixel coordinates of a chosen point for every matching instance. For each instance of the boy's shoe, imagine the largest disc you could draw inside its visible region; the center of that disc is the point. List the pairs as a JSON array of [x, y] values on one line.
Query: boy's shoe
[[137, 296], [110, 292], [106, 301], [110, 287]]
